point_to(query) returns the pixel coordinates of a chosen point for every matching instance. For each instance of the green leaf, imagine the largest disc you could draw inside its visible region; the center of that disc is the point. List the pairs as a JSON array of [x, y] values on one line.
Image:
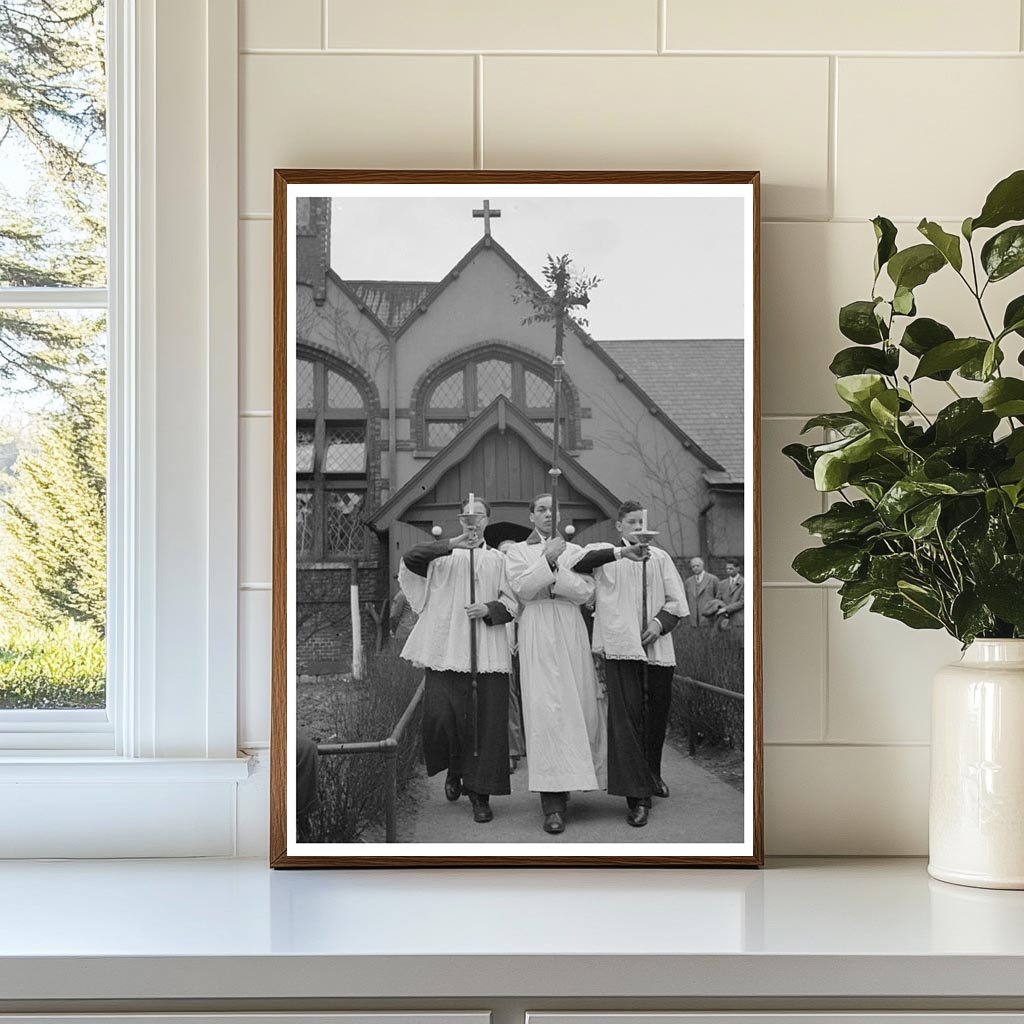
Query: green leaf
[[857, 321], [858, 389], [900, 609], [885, 571], [974, 368], [947, 244], [854, 594], [965, 229], [925, 334], [904, 495], [912, 267], [842, 521], [970, 617], [950, 355], [1003, 254], [1005, 596], [1005, 202], [991, 360], [903, 302], [800, 456], [1013, 317], [833, 420], [966, 417], [885, 236], [850, 361], [1004, 397], [840, 561], [885, 409], [925, 518], [831, 471]]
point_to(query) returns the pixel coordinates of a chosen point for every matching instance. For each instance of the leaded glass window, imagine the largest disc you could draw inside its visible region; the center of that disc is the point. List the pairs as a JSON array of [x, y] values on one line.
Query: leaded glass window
[[461, 392], [331, 463]]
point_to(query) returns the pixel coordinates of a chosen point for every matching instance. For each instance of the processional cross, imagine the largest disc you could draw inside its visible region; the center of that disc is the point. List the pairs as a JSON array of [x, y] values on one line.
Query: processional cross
[[487, 213]]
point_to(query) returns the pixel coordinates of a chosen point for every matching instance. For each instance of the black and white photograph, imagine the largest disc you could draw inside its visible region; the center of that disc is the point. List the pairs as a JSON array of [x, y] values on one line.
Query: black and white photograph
[[515, 559]]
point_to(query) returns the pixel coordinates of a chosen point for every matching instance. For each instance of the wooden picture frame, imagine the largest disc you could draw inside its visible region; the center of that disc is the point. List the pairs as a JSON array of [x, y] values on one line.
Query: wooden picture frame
[[359, 437]]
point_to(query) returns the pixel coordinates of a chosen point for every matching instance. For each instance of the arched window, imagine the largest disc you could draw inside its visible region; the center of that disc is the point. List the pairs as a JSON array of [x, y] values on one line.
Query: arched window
[[331, 466], [459, 391]]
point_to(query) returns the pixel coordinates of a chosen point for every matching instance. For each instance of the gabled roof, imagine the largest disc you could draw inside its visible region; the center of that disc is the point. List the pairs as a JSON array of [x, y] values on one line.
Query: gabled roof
[[673, 423], [391, 302], [698, 382], [503, 414]]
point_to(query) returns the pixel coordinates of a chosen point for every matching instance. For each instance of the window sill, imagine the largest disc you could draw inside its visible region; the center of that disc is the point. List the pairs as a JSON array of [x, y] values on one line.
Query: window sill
[[74, 766]]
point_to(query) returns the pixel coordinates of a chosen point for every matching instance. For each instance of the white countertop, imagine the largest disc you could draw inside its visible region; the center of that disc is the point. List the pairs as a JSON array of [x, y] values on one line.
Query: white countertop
[[234, 929]]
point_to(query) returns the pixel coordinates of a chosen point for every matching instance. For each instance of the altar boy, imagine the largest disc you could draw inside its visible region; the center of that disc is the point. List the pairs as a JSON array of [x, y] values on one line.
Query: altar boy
[[636, 730], [435, 578]]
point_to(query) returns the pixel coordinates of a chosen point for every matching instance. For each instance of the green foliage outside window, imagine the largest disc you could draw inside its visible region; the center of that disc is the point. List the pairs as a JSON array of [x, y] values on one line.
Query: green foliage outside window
[[52, 364]]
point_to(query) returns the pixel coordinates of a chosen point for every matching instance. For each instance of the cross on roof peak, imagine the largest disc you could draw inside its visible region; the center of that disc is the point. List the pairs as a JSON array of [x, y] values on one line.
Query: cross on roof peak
[[487, 213]]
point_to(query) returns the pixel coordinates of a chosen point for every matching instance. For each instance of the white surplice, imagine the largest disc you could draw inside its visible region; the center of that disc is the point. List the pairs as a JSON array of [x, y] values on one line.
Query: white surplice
[[440, 638], [563, 711], [619, 605]]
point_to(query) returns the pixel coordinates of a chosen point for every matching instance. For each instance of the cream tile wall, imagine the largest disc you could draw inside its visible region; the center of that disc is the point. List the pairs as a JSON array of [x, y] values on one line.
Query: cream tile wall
[[906, 109]]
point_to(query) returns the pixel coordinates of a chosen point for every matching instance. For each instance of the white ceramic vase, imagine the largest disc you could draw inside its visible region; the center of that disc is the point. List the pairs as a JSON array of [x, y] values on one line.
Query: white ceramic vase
[[976, 814]]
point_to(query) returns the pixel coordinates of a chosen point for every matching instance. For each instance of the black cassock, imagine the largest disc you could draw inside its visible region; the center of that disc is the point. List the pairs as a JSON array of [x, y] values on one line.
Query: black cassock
[[448, 707]]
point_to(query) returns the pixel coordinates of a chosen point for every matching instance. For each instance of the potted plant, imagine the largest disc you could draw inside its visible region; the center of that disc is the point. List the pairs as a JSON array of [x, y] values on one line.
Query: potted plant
[[927, 521]]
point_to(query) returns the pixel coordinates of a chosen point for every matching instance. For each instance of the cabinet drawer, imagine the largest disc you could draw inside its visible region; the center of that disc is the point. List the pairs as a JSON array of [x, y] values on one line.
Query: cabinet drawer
[[360, 1017], [852, 1017]]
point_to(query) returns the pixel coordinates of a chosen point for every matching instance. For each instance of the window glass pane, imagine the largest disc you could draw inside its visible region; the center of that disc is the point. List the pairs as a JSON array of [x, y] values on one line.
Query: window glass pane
[[548, 427], [439, 433], [305, 375], [449, 393], [342, 393], [53, 150], [346, 450], [52, 509], [304, 451], [539, 393], [493, 378], [304, 523], [344, 523]]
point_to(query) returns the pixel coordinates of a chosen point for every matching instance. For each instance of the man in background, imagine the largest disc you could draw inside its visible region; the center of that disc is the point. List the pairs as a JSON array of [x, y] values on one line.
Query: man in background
[[730, 593], [701, 595]]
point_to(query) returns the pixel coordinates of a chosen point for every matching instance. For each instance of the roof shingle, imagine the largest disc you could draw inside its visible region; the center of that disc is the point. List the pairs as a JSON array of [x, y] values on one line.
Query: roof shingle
[[699, 383]]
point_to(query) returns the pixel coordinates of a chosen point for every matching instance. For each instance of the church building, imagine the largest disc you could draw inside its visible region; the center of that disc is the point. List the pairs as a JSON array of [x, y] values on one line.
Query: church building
[[411, 394]]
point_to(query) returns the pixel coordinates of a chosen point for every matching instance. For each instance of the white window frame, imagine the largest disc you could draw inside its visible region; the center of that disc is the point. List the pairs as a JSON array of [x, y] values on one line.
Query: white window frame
[[171, 718]]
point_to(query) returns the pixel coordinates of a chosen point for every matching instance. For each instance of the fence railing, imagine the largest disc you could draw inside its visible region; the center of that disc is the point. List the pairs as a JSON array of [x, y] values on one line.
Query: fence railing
[[690, 687], [389, 749]]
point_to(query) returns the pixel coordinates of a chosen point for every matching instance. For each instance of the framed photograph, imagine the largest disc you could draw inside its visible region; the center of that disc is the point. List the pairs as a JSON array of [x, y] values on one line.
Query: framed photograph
[[516, 606]]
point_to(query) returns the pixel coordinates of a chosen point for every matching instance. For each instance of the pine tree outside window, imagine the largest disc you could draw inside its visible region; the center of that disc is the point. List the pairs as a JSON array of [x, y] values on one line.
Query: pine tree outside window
[[53, 360]]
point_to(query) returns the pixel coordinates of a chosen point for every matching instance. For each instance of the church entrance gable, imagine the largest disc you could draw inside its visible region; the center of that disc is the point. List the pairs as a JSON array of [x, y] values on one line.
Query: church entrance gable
[[506, 471]]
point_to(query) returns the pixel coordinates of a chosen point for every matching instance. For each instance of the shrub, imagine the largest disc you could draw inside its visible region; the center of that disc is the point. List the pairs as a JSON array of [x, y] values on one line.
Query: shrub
[[709, 656], [352, 787], [63, 666]]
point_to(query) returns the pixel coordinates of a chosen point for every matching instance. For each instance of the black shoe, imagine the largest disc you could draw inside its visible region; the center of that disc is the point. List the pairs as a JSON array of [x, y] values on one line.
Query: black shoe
[[637, 816], [660, 789], [452, 787], [554, 823], [482, 812]]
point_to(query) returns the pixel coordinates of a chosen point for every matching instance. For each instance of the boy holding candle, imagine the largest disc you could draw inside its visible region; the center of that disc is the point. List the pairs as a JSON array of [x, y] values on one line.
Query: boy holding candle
[[637, 721]]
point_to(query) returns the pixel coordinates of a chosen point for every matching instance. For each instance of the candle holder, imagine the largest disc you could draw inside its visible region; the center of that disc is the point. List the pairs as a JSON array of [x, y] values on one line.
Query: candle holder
[[644, 537]]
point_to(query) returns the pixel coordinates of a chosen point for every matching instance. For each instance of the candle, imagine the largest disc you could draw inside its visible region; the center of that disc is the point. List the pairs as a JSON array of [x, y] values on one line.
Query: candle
[[643, 520], [472, 502]]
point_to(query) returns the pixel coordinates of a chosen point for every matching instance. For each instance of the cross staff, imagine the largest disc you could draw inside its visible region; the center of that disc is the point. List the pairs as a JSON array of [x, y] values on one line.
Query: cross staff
[[487, 213], [562, 302]]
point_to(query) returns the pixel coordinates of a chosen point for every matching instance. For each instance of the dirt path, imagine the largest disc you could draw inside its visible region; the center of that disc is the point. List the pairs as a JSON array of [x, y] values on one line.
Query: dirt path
[[701, 809]]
